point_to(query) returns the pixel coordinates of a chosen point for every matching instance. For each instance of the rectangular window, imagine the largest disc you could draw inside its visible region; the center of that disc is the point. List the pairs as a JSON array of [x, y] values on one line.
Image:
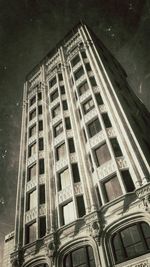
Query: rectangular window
[[58, 129], [41, 144], [99, 99], [112, 188], [39, 96], [54, 95], [71, 145], [32, 130], [68, 123], [128, 182], [102, 154], [62, 90], [31, 172], [78, 73], [106, 120], [75, 60], [65, 105], [85, 138], [80, 114], [52, 82], [80, 206], [32, 150], [56, 111], [32, 114], [75, 172], [64, 179], [116, 147], [94, 127], [32, 100], [42, 228], [39, 110], [61, 152], [93, 81], [88, 67], [42, 194], [40, 125], [83, 88], [41, 166], [31, 200], [60, 77], [68, 213], [31, 233], [89, 105], [84, 54]]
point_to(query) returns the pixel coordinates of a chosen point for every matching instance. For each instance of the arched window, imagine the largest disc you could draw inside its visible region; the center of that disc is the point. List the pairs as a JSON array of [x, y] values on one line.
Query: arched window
[[131, 242], [81, 257]]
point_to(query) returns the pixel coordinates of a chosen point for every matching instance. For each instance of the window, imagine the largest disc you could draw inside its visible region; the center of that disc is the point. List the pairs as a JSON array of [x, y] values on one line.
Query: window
[[54, 95], [32, 150], [92, 81], [88, 67], [41, 144], [31, 200], [39, 96], [64, 179], [102, 154], [83, 88], [41, 166], [76, 96], [80, 114], [106, 120], [75, 172], [42, 231], [32, 130], [62, 90], [99, 99], [61, 152], [52, 82], [131, 242], [71, 145], [58, 129], [80, 206], [75, 60], [56, 111], [116, 147], [40, 125], [83, 54], [89, 105], [85, 138], [81, 257], [39, 110], [112, 188], [32, 100], [78, 73], [32, 114], [68, 123], [42, 194], [65, 105], [98, 196], [91, 163], [31, 172], [31, 233], [68, 214], [60, 77], [128, 182], [94, 127]]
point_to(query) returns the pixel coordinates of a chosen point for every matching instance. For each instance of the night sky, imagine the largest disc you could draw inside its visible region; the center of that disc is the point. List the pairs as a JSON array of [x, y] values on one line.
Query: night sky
[[29, 29]]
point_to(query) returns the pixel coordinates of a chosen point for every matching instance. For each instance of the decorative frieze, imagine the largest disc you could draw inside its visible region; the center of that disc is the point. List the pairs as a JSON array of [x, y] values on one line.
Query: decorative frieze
[[84, 96], [56, 119], [59, 139], [80, 80], [77, 66], [90, 73], [69, 133], [31, 215], [55, 102], [111, 132], [42, 210], [32, 139], [143, 191], [41, 179], [41, 154], [96, 139], [90, 115], [64, 194], [52, 89], [106, 169], [122, 163], [78, 188], [31, 184], [143, 263], [61, 164], [32, 121], [102, 108], [32, 159]]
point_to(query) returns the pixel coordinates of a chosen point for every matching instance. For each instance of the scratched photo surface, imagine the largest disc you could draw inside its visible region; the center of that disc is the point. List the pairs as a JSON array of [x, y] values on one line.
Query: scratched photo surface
[[29, 29]]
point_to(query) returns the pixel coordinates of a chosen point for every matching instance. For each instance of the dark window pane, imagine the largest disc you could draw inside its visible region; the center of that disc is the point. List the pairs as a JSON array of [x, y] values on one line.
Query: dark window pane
[[30, 233], [75, 172], [42, 194], [146, 233], [78, 73], [58, 129], [102, 154], [32, 150], [54, 95], [83, 88], [92, 81], [65, 105], [42, 226], [88, 67], [39, 96], [81, 206], [75, 60], [116, 147], [32, 100], [56, 111], [39, 110], [84, 135], [94, 127], [106, 120], [119, 253], [31, 200], [68, 123], [99, 99], [52, 82], [89, 105], [71, 145], [41, 144], [129, 185], [41, 166], [112, 188], [60, 77], [84, 54], [41, 125], [62, 90], [32, 130], [32, 114], [80, 114]]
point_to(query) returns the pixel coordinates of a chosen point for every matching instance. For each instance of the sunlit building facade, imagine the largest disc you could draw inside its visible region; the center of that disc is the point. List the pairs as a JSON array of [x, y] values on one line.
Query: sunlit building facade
[[83, 197]]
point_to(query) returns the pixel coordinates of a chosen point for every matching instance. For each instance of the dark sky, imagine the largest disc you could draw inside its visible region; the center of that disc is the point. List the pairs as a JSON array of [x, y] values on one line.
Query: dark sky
[[28, 30]]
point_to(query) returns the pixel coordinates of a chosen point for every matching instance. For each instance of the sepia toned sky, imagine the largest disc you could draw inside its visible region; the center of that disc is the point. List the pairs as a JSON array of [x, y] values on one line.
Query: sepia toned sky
[[31, 28]]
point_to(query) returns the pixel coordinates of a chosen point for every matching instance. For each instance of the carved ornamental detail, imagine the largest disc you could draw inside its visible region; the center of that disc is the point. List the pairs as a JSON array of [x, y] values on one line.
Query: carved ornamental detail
[[143, 193]]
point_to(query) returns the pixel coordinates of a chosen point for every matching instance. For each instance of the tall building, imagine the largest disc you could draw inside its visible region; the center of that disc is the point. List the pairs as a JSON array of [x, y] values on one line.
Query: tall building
[[8, 249], [83, 197]]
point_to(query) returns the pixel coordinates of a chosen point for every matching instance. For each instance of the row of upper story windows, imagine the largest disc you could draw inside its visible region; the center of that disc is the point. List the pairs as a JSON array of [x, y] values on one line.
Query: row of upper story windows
[[32, 114], [34, 99]]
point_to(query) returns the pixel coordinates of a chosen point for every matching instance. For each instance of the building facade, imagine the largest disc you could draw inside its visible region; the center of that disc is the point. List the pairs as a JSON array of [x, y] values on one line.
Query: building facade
[[83, 195], [8, 249]]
